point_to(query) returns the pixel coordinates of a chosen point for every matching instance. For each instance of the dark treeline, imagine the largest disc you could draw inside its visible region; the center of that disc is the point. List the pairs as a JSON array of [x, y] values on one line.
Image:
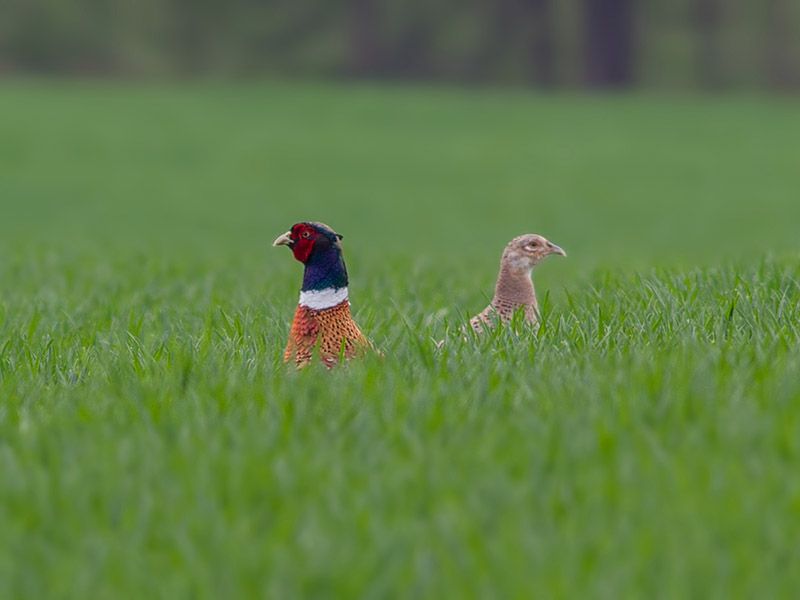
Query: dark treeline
[[717, 44]]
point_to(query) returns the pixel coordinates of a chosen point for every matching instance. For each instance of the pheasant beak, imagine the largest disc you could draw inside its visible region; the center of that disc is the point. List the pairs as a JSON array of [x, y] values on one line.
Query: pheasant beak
[[284, 240], [555, 249]]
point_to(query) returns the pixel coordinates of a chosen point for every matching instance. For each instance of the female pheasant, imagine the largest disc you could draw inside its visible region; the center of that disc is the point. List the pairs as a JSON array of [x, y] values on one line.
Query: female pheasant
[[514, 286], [323, 316]]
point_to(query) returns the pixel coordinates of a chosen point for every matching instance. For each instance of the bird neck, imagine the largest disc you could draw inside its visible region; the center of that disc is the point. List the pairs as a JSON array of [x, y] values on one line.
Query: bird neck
[[323, 271], [514, 286], [324, 281]]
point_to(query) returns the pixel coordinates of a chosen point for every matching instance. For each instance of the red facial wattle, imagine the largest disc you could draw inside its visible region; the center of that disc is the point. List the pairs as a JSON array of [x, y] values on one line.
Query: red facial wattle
[[303, 238]]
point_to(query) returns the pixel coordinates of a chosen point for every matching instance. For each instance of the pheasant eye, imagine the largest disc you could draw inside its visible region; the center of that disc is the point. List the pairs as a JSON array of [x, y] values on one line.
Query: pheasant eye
[[305, 234]]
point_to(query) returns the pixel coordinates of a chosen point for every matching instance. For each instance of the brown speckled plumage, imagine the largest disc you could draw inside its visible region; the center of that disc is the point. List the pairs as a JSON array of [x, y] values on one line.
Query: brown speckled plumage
[[514, 289]]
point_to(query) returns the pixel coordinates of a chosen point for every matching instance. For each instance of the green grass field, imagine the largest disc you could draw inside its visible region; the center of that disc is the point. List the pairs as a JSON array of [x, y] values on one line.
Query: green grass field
[[644, 444]]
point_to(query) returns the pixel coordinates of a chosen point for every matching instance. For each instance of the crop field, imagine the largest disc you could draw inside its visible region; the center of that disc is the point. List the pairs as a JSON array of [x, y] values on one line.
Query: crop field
[[644, 443]]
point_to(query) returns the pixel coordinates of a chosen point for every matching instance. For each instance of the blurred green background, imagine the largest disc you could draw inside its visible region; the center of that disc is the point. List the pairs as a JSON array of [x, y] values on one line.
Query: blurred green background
[[442, 173], [224, 122]]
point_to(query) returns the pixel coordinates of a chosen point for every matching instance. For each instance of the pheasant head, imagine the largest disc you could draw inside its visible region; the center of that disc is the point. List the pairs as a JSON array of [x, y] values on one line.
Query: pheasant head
[[322, 319], [526, 251]]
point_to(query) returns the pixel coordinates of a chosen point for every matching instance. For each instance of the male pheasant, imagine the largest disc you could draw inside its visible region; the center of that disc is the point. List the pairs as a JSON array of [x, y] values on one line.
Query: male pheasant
[[322, 319], [514, 286]]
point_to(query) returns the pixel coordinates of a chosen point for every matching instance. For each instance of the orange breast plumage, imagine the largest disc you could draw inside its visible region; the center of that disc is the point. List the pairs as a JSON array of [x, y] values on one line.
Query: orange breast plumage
[[329, 331]]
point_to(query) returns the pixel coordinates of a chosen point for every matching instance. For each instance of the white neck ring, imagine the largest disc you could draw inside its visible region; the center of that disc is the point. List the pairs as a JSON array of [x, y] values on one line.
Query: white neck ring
[[319, 299]]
